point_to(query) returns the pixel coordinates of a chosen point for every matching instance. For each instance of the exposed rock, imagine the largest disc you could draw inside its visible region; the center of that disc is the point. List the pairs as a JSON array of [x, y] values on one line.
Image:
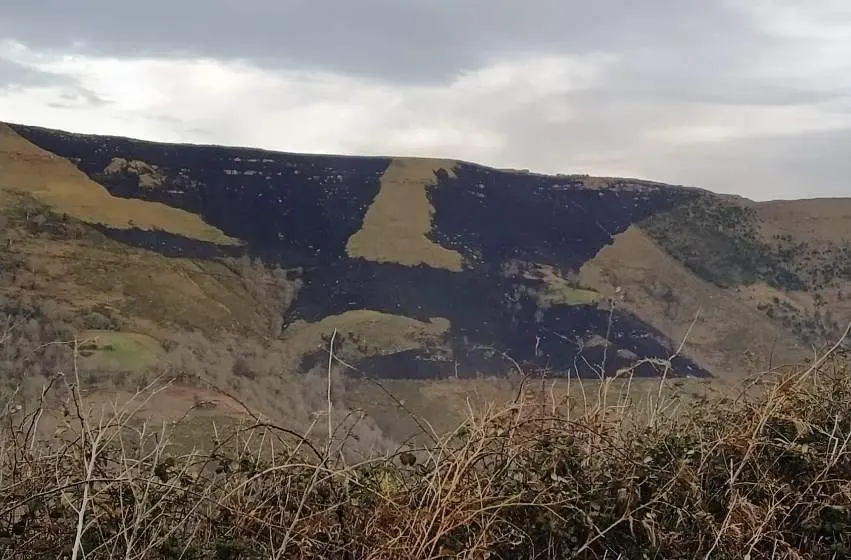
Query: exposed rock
[[149, 176]]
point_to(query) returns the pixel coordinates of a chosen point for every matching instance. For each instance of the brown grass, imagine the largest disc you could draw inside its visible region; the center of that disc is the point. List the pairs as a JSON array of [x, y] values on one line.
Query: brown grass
[[764, 476], [445, 403], [56, 182], [396, 224], [814, 220]]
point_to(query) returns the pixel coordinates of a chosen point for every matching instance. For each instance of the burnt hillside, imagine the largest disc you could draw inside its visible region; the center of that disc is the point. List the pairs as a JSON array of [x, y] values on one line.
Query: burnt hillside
[[519, 239]]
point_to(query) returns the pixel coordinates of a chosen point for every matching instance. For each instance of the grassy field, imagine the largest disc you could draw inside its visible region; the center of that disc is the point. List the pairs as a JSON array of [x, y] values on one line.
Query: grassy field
[[561, 292]]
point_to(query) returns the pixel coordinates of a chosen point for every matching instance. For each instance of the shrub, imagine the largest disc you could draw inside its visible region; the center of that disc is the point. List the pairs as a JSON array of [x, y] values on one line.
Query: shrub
[[737, 476]]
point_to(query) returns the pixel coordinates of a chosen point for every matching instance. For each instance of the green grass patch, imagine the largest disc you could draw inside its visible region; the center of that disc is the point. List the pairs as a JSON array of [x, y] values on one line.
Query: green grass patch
[[561, 291], [570, 296], [119, 350]]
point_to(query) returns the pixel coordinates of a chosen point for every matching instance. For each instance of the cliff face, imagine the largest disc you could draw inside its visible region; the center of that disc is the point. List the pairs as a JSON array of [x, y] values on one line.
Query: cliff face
[[427, 268]]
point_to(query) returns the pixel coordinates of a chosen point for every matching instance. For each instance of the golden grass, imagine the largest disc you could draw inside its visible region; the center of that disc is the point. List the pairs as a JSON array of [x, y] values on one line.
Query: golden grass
[[56, 182], [395, 225]]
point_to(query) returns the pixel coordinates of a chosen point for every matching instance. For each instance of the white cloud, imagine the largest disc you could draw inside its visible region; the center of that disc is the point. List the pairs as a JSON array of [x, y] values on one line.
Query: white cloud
[[708, 123], [233, 103]]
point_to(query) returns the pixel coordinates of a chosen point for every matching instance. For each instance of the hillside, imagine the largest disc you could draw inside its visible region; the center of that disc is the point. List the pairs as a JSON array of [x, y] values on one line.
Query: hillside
[[189, 257]]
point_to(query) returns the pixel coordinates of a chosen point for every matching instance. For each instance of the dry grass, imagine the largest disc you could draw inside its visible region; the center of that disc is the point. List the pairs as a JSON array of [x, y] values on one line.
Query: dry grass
[[813, 220], [764, 476], [445, 403], [54, 181], [396, 224]]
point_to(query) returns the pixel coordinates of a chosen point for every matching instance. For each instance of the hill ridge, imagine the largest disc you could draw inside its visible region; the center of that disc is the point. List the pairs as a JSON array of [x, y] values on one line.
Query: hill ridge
[[521, 246]]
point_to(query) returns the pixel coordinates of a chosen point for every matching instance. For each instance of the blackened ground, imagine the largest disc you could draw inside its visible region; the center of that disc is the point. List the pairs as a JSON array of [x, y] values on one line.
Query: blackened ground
[[296, 208], [170, 244], [300, 210], [496, 216], [486, 317]]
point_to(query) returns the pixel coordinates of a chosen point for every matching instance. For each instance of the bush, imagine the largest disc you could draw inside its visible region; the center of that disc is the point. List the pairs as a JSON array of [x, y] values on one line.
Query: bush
[[765, 476], [99, 322]]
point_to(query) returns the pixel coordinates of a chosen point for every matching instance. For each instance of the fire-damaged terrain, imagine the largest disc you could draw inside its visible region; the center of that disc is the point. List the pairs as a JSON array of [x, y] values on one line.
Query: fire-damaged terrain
[[419, 268]]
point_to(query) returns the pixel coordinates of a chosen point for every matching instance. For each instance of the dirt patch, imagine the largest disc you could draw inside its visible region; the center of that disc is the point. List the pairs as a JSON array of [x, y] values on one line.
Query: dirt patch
[[54, 181], [170, 403], [396, 224]]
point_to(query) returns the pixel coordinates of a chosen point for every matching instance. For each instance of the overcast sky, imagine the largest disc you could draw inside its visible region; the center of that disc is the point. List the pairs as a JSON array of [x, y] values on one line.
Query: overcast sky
[[751, 97]]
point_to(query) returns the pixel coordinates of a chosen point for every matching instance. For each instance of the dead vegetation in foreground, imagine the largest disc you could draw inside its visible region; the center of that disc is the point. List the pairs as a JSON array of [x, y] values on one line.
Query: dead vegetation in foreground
[[753, 476]]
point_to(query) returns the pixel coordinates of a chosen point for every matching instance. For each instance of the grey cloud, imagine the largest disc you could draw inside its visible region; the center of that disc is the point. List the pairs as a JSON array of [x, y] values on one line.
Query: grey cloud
[[16, 75], [807, 165], [681, 50], [404, 40], [609, 136], [78, 97], [701, 51], [13, 74]]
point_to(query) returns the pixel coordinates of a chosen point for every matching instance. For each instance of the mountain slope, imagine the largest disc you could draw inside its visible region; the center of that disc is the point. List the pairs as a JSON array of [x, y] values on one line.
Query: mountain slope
[[426, 268]]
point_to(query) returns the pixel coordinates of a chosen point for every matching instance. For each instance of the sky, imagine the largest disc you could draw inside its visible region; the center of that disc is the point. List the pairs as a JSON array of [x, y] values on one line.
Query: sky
[[750, 97]]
